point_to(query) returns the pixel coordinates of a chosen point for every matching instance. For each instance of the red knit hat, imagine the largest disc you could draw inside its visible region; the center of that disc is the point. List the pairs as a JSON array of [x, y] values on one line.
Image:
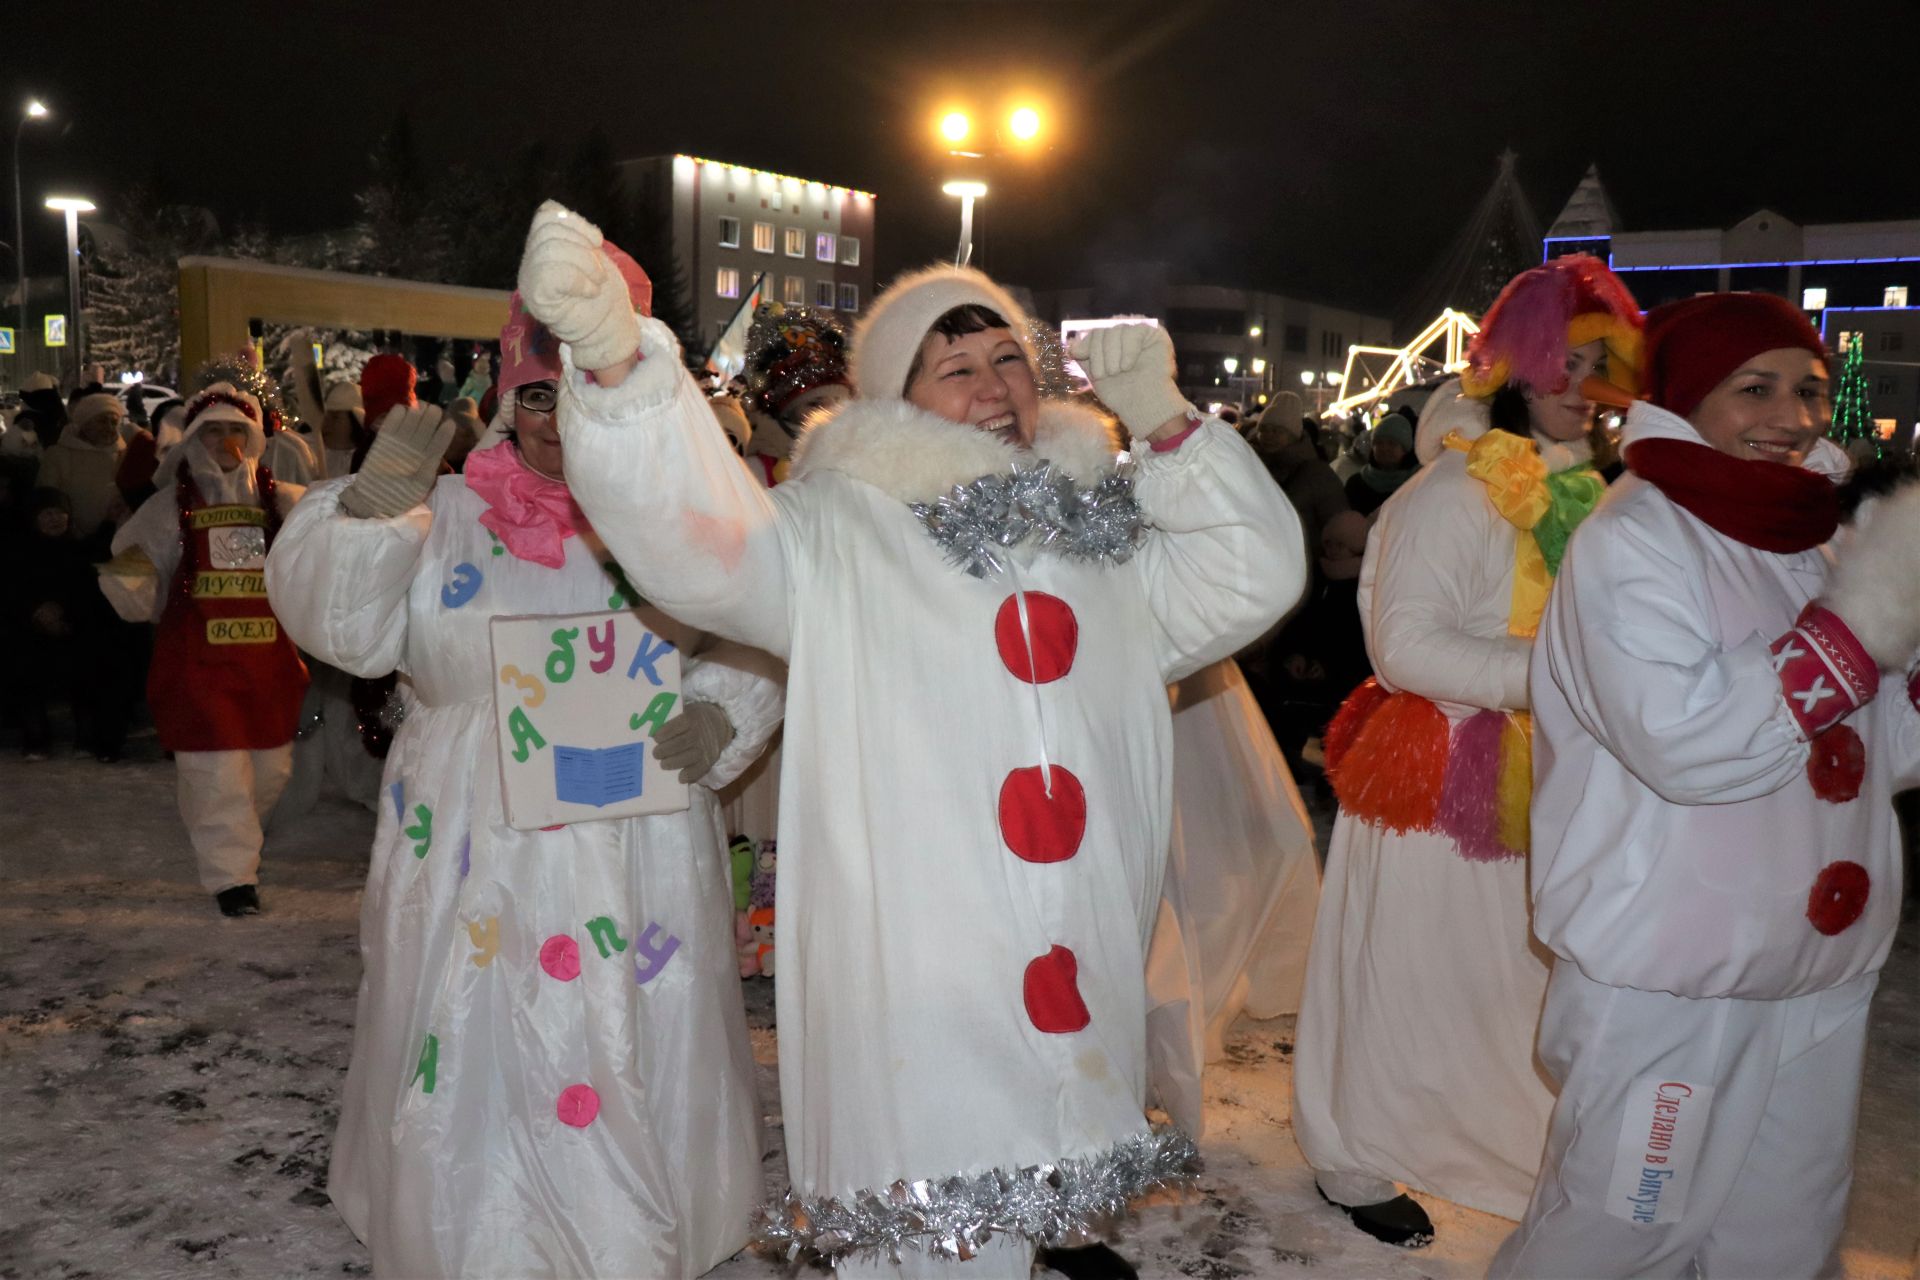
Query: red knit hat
[[1691, 346], [386, 382]]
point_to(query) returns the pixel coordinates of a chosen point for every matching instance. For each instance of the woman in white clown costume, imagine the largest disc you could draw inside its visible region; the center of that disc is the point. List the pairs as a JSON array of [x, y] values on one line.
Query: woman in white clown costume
[[980, 618], [1414, 1054], [1725, 701], [551, 1074]]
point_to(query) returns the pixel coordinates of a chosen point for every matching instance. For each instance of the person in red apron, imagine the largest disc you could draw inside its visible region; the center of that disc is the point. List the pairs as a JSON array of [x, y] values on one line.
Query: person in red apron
[[225, 685]]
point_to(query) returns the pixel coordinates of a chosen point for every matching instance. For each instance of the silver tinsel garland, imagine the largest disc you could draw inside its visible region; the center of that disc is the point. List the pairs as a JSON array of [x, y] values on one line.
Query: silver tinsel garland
[[1055, 1204], [997, 512]]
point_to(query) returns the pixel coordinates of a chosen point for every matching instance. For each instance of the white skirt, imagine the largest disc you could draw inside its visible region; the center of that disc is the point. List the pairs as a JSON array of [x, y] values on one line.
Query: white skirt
[[1414, 1058]]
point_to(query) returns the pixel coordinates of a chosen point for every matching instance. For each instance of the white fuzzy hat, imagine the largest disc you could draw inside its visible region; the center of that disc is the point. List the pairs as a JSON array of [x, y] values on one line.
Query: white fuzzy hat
[[889, 336], [223, 402], [345, 395]]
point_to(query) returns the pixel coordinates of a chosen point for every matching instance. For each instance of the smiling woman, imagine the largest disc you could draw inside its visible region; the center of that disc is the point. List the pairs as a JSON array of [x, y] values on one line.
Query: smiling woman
[[980, 615]]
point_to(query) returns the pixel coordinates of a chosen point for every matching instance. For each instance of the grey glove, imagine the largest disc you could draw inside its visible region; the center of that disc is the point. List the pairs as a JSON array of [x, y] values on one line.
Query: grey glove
[[401, 465], [693, 740]]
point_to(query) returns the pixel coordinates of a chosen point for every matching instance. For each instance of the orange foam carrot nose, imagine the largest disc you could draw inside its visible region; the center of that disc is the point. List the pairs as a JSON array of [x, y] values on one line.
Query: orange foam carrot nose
[[1600, 391], [235, 447]]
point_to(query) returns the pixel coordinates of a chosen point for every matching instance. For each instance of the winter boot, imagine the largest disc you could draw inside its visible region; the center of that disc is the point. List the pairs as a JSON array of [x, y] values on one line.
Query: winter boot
[[1094, 1262], [1399, 1221], [240, 900]]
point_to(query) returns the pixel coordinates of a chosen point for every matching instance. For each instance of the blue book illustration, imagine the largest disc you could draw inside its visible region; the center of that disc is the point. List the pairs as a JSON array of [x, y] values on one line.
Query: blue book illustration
[[599, 776]]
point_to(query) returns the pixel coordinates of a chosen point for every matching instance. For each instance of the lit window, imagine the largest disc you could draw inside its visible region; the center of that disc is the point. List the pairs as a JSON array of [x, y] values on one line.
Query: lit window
[[763, 237], [796, 243], [1846, 341], [1896, 296], [727, 282], [793, 290], [849, 297], [729, 233], [823, 293], [1813, 299], [850, 251], [823, 246]]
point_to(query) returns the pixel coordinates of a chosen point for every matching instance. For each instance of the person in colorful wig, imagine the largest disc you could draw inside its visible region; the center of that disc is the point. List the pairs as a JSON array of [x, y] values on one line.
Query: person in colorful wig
[[225, 684], [1725, 699], [551, 1073], [796, 366], [980, 613], [1414, 1055]]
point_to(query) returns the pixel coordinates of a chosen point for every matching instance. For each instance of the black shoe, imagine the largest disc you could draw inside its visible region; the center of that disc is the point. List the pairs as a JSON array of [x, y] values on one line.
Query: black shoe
[[1094, 1262], [241, 900], [1399, 1221]]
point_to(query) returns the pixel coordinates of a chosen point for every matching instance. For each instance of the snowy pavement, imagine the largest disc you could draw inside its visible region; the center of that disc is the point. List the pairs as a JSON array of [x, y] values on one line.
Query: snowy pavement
[[169, 1079]]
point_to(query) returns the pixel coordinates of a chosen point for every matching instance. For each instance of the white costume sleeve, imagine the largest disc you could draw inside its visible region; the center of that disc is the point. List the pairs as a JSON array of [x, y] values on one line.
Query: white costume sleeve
[[747, 684], [1633, 653], [1427, 566], [155, 529], [652, 469], [339, 584], [1225, 556]]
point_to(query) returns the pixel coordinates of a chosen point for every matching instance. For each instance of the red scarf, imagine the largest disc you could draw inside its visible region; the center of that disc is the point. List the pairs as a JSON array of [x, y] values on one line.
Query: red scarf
[[1767, 505]]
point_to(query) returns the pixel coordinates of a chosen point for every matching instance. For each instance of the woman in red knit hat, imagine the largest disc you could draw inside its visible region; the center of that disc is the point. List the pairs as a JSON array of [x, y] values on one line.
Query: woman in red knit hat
[[1716, 863]]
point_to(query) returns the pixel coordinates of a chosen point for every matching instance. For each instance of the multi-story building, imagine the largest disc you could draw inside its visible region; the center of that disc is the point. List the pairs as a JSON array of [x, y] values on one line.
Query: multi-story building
[[813, 241], [1849, 277], [1235, 345]]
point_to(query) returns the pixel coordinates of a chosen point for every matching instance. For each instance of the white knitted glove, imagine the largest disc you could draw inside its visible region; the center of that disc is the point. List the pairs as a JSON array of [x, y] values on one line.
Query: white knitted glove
[[575, 290], [1131, 368], [1875, 586], [401, 465], [693, 740]]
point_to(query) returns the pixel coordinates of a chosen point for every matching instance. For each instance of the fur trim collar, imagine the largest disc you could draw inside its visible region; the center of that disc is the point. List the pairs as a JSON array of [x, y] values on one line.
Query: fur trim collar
[[914, 456]]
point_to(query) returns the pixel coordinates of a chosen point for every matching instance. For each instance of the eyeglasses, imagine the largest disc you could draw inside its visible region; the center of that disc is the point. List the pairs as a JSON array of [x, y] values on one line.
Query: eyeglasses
[[538, 397]]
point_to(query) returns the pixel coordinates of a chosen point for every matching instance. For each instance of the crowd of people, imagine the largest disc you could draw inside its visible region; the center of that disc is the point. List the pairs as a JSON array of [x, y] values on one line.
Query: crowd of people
[[1613, 723]]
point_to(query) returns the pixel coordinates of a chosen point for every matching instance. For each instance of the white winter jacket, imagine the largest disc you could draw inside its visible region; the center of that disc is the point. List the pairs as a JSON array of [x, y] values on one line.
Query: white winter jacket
[[911, 935], [1676, 833]]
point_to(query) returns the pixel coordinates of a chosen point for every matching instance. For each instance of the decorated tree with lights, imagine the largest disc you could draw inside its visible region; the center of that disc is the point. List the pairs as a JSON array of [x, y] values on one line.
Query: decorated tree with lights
[[1852, 414]]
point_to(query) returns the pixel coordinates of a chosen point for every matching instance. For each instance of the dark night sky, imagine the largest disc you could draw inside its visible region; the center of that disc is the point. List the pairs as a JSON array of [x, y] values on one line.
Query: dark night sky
[[1331, 149]]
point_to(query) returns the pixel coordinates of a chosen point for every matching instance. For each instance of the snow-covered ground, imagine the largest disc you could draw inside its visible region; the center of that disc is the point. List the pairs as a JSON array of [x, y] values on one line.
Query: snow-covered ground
[[168, 1078]]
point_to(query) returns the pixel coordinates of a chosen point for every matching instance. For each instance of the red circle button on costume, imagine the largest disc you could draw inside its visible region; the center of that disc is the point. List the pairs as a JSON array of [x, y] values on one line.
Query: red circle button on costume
[[1051, 629], [1839, 896], [1039, 827], [1837, 764], [1052, 992]]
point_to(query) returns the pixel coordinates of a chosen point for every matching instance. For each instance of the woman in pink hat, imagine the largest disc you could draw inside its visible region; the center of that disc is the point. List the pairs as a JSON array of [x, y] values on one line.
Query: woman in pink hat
[[551, 1073]]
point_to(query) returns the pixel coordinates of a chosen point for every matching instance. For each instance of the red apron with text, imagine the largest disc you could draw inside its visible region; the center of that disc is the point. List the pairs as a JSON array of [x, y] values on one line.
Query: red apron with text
[[224, 676]]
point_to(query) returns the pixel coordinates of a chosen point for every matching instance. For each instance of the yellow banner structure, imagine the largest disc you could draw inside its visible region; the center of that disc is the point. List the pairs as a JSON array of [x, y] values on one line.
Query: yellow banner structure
[[218, 296]]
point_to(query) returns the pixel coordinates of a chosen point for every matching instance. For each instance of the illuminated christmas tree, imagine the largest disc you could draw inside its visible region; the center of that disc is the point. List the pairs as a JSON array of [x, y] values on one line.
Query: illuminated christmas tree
[[1852, 415]]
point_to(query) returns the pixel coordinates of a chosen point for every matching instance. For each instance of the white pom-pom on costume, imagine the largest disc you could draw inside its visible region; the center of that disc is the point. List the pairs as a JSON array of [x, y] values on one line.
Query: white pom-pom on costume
[[1875, 586]]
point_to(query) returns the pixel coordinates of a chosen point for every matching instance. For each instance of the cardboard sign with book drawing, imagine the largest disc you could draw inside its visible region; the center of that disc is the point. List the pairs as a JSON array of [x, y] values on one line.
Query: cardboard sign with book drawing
[[577, 700]]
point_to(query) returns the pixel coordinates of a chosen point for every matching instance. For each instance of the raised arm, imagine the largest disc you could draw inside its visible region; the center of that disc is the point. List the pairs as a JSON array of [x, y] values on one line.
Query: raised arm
[[339, 583], [644, 456]]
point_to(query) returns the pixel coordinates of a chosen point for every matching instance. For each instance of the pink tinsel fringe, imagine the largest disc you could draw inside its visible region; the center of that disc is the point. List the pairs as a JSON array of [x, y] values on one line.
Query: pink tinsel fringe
[[1469, 808]]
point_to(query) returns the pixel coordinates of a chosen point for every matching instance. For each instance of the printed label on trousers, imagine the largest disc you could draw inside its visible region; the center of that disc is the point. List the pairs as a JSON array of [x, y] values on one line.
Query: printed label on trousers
[[1660, 1135]]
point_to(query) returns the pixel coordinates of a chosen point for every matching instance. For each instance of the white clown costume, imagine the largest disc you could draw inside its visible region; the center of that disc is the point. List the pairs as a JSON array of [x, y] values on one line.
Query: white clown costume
[[975, 791], [1717, 865], [1237, 904], [551, 1074], [1414, 1056]]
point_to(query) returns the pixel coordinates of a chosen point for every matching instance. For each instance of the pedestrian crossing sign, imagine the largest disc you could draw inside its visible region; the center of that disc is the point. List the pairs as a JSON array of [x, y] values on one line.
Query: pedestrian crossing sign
[[6, 341], [56, 331]]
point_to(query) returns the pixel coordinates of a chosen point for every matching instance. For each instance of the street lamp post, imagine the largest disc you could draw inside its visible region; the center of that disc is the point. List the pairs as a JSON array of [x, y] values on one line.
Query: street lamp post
[[34, 110], [73, 207], [968, 193]]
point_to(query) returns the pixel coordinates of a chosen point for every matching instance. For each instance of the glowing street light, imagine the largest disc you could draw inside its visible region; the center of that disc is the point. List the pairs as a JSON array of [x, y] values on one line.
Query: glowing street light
[[1254, 332], [954, 126], [1024, 124], [1259, 367], [1231, 364], [73, 207], [1306, 377]]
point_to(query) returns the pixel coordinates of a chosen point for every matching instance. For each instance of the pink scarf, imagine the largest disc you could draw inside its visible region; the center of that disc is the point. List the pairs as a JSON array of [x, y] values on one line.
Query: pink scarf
[[532, 515]]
